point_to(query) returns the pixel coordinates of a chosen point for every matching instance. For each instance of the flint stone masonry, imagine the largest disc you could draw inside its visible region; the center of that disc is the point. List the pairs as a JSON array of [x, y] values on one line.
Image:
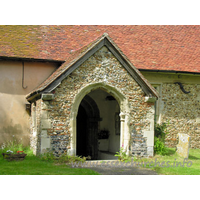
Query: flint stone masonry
[[139, 146], [181, 112], [59, 144], [104, 68], [183, 145]]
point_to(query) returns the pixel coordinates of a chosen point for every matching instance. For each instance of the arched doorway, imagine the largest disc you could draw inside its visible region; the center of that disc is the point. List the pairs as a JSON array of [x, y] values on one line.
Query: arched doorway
[[114, 95], [98, 126], [109, 125]]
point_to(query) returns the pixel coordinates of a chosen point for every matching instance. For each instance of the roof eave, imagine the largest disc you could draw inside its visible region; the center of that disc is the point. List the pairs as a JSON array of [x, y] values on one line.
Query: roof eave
[[105, 40], [169, 71], [5, 58], [33, 96]]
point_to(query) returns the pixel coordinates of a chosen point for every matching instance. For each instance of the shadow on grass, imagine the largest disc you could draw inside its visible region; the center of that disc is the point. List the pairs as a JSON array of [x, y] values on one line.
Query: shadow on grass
[[170, 152], [193, 157]]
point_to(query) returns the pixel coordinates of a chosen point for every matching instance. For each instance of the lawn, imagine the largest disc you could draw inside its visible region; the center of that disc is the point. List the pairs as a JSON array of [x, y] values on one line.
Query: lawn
[[33, 165], [173, 164]]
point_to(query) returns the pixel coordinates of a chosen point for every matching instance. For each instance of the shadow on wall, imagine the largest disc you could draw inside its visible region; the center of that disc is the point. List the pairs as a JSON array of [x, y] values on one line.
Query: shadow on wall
[[13, 133], [14, 120]]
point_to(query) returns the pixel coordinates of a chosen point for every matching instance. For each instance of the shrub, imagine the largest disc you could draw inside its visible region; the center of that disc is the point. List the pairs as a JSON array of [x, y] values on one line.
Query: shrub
[[47, 156], [64, 158], [122, 155], [161, 131], [159, 138], [159, 146], [14, 146]]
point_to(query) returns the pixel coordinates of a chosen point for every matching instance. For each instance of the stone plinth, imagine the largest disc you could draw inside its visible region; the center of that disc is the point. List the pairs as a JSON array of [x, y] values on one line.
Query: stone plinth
[[183, 145]]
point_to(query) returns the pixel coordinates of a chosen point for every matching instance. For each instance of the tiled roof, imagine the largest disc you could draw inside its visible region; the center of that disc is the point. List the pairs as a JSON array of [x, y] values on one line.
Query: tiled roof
[[173, 48], [80, 56], [75, 56]]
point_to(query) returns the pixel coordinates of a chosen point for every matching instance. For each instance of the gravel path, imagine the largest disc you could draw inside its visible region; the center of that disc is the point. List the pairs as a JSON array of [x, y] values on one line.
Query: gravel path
[[123, 171], [115, 168]]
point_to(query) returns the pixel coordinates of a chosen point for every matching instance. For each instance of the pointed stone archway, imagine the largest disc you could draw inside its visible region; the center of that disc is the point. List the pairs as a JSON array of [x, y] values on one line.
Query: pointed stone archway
[[101, 65], [124, 114]]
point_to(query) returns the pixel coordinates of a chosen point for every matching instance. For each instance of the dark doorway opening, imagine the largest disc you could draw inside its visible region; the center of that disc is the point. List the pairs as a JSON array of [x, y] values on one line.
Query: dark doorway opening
[[87, 128], [90, 126], [82, 120]]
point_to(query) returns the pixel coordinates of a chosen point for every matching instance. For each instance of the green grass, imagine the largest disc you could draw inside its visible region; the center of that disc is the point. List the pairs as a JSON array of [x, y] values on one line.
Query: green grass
[[173, 160], [33, 165]]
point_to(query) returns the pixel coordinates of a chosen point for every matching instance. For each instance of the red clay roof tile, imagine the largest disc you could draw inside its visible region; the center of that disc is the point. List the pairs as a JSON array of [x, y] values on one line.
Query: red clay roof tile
[[174, 48], [77, 59]]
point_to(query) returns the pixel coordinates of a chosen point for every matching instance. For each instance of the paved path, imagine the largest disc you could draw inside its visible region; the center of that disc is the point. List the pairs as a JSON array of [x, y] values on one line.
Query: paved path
[[123, 171], [114, 168]]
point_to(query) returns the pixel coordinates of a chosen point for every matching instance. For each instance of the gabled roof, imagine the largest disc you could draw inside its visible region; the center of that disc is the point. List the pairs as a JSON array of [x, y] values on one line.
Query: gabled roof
[[170, 48], [80, 56]]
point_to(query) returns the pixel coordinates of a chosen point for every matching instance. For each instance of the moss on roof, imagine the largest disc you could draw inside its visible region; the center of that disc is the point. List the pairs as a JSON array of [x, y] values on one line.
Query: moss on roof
[[20, 41], [174, 48]]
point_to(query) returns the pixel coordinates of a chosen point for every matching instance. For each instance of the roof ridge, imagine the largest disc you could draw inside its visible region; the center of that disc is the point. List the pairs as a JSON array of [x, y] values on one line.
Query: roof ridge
[[156, 47], [82, 55], [76, 56]]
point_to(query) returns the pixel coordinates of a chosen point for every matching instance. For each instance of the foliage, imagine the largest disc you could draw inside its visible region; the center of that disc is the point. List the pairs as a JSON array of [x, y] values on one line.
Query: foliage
[[159, 146], [9, 151], [15, 146], [122, 156], [39, 165], [159, 139], [33, 165], [64, 158], [47, 156], [161, 131]]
